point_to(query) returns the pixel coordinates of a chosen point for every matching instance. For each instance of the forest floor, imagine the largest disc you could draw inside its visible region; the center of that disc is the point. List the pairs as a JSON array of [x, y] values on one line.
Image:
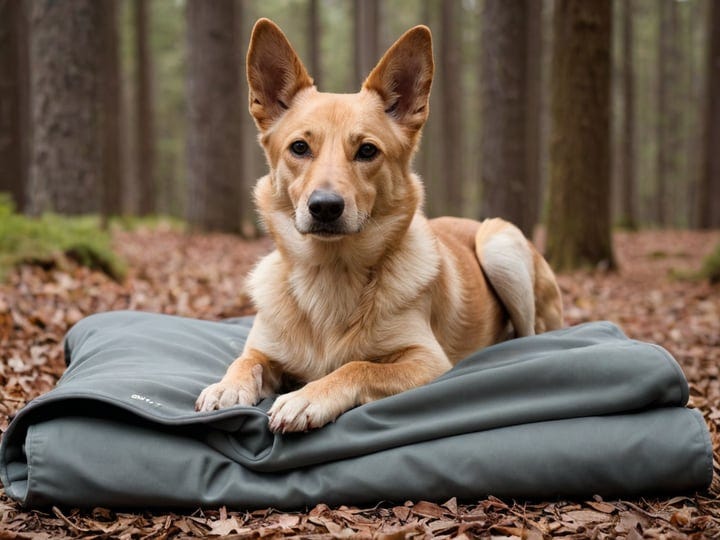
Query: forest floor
[[202, 276]]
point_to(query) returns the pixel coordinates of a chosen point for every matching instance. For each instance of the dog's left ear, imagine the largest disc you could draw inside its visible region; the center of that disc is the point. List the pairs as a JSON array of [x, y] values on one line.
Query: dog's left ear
[[403, 78], [275, 73]]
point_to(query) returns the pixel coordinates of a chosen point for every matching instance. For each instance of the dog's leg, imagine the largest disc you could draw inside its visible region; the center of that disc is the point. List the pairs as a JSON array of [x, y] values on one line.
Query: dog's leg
[[507, 260], [249, 378], [548, 302], [355, 383]]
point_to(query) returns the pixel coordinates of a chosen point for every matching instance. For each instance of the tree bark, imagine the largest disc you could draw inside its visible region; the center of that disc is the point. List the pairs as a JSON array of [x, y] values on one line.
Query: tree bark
[[65, 54], [451, 108], [668, 118], [253, 163], [145, 121], [533, 116], [504, 83], [314, 39], [579, 229], [214, 123], [14, 77], [709, 189], [367, 38], [429, 155], [627, 195], [111, 111]]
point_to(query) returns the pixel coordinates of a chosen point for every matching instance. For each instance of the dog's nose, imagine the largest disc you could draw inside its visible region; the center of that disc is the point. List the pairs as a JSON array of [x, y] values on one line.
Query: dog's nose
[[325, 206]]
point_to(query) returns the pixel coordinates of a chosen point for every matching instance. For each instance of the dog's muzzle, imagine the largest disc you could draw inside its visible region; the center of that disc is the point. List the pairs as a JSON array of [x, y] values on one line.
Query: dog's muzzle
[[325, 206], [327, 217]]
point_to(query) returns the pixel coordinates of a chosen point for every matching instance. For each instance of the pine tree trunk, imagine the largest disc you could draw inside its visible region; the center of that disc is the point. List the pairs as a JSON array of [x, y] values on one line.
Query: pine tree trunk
[[429, 157], [709, 189], [14, 126], [252, 159], [627, 193], [451, 108], [111, 111], [533, 117], [314, 33], [145, 121], [579, 230], [504, 83], [367, 38], [65, 54], [668, 121], [214, 124]]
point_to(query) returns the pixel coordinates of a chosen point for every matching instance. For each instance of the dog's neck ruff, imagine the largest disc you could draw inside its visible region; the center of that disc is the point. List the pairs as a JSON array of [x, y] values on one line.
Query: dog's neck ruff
[[353, 270]]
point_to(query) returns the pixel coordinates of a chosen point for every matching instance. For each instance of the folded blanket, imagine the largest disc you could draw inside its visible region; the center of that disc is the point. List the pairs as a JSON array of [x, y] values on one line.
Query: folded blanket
[[574, 412]]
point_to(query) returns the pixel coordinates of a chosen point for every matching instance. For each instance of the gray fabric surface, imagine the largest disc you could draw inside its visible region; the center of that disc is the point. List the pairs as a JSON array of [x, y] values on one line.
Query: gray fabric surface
[[575, 412]]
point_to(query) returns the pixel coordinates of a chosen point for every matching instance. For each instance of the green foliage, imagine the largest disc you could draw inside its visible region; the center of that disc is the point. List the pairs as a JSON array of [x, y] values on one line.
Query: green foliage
[[709, 270], [711, 266], [48, 239]]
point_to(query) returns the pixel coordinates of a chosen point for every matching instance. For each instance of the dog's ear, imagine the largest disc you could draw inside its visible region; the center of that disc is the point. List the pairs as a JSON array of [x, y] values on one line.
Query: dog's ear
[[403, 78], [275, 73]]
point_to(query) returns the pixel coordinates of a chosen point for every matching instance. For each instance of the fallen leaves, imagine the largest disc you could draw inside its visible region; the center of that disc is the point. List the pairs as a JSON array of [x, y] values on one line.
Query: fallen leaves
[[203, 276]]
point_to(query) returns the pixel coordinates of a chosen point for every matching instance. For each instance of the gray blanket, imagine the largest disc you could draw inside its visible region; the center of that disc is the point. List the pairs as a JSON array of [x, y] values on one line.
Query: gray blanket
[[575, 412]]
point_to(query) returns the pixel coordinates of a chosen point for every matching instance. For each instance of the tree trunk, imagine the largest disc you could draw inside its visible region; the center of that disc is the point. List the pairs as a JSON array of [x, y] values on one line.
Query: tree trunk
[[367, 38], [695, 41], [627, 195], [111, 111], [451, 108], [429, 155], [14, 125], [214, 123], [253, 163], [709, 192], [533, 116], [314, 38], [579, 230], [504, 128], [145, 122], [65, 54], [668, 121]]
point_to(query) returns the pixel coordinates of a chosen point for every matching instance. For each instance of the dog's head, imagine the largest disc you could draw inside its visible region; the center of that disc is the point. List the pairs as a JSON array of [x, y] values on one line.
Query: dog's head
[[338, 162]]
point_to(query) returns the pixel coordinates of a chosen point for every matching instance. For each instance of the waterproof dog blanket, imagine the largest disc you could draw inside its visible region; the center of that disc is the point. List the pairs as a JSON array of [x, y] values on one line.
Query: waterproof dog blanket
[[574, 412]]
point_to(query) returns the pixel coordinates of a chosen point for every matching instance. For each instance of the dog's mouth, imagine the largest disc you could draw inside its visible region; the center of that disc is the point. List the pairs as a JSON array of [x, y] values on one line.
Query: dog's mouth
[[327, 231]]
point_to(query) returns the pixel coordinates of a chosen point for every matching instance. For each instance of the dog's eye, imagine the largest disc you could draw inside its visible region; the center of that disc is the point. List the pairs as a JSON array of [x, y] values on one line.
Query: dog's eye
[[366, 152], [300, 148]]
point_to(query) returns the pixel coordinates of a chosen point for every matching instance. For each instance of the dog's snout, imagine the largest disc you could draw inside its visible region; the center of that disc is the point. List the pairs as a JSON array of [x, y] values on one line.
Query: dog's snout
[[325, 206]]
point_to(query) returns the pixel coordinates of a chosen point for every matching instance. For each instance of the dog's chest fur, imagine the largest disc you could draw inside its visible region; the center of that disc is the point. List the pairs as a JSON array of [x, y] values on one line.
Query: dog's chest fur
[[321, 316]]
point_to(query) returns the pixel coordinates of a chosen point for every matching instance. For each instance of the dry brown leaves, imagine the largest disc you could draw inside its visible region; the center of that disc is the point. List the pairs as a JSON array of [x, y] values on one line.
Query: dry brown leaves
[[202, 276], [681, 517]]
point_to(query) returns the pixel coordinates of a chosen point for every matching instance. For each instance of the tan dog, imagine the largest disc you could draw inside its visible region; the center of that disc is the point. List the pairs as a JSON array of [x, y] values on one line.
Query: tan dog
[[364, 297]]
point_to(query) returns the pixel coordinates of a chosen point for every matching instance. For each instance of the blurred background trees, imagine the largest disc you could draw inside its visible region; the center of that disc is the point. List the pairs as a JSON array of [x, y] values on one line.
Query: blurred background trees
[[139, 107], [578, 223]]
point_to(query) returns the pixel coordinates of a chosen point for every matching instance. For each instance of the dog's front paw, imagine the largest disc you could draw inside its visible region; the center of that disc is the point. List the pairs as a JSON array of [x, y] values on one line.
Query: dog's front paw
[[303, 410], [227, 393]]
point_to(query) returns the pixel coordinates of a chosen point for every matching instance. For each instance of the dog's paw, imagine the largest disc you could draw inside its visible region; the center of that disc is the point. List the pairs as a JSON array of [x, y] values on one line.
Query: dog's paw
[[224, 394], [303, 410]]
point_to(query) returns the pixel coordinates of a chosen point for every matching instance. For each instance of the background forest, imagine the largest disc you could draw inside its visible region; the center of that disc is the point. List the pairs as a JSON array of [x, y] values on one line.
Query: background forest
[[137, 107], [127, 159]]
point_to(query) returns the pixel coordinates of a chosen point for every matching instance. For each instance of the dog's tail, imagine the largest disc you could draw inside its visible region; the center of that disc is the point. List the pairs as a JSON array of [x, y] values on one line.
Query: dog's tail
[[520, 276]]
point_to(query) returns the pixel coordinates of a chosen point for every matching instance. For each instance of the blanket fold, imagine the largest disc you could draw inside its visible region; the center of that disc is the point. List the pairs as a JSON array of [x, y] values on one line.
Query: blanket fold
[[574, 412]]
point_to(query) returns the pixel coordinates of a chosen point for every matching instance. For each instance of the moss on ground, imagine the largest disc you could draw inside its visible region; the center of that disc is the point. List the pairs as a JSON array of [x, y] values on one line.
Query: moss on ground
[[47, 239], [711, 266]]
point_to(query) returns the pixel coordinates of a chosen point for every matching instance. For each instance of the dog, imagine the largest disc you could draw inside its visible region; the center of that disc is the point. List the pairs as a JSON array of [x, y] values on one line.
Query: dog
[[363, 296]]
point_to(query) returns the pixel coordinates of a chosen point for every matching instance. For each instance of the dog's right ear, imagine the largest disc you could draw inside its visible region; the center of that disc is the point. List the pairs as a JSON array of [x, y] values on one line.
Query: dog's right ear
[[275, 73]]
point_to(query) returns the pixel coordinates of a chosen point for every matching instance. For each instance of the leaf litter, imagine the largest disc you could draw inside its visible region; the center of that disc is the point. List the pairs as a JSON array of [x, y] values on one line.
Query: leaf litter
[[203, 276]]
